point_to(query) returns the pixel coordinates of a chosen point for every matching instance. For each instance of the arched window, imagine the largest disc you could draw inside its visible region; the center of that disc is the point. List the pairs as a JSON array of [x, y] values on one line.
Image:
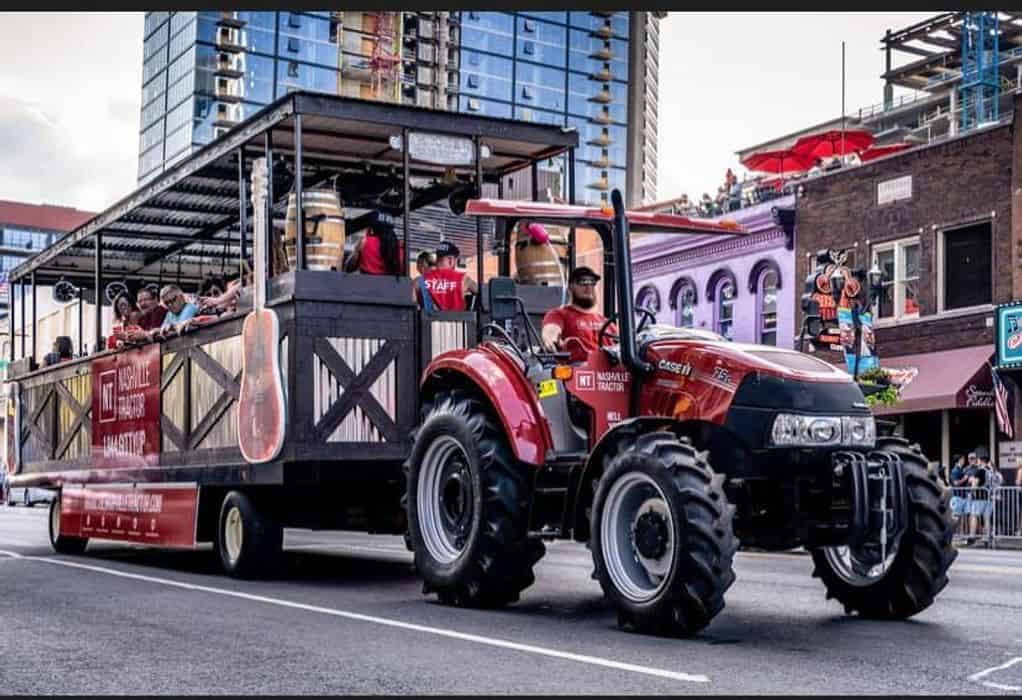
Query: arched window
[[722, 290], [766, 316], [648, 298], [683, 299], [724, 321]]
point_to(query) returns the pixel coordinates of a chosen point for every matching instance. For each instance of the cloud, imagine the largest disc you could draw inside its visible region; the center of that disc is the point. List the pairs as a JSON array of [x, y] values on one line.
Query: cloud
[[43, 161]]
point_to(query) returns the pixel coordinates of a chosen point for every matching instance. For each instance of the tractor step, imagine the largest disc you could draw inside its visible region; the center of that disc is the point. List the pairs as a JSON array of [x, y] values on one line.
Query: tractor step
[[563, 459]]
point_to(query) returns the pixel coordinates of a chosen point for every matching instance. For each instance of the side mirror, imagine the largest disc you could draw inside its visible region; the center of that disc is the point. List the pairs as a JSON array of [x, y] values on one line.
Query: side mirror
[[503, 299]]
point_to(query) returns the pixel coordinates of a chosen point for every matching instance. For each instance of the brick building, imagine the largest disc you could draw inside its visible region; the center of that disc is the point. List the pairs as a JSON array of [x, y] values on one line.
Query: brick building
[[942, 223]]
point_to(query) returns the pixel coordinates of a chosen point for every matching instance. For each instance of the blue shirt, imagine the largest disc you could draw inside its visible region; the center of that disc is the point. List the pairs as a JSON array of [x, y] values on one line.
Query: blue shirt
[[189, 310]]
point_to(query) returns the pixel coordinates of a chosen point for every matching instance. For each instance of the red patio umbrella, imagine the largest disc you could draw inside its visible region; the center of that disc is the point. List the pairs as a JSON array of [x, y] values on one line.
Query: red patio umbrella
[[827, 144], [786, 161], [881, 151]]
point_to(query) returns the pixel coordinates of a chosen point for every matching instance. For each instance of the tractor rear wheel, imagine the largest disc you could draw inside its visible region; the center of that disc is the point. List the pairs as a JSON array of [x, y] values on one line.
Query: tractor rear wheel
[[915, 570], [467, 502], [662, 539]]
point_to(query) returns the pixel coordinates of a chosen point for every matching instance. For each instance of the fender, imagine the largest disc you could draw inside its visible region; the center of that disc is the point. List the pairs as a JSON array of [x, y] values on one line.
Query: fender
[[510, 394]]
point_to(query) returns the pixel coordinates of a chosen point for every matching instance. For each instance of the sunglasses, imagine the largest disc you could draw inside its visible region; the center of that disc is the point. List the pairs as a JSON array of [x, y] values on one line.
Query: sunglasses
[[586, 283]]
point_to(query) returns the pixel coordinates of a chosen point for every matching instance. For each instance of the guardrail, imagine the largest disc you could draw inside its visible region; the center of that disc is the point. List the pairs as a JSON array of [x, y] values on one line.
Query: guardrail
[[987, 516]]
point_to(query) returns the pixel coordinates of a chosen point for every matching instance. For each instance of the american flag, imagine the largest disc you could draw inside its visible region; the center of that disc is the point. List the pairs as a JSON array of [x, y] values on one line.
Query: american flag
[[1001, 395]]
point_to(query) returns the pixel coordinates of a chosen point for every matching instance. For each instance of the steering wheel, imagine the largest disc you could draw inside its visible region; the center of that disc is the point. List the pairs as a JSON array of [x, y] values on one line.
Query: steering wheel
[[647, 315], [603, 332]]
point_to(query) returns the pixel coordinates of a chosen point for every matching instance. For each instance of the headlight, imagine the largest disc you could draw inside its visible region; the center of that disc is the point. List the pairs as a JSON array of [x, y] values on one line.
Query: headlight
[[823, 431]]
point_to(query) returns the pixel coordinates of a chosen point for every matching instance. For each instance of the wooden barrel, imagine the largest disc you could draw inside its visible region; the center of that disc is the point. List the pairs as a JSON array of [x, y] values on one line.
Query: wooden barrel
[[535, 262], [324, 239]]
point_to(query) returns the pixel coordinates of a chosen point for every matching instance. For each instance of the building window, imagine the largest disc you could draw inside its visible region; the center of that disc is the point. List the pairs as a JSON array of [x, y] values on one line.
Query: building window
[[292, 69], [473, 80], [899, 262], [528, 48], [966, 266], [648, 298], [527, 93], [725, 308], [683, 298], [292, 44], [473, 105], [294, 20], [529, 27], [767, 295]]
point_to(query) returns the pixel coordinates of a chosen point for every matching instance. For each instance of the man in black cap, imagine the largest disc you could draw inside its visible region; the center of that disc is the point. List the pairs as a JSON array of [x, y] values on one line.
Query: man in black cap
[[575, 327], [446, 285]]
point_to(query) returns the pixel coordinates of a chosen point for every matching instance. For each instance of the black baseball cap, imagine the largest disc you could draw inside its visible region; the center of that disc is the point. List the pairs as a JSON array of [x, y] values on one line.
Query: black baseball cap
[[447, 248], [582, 272]]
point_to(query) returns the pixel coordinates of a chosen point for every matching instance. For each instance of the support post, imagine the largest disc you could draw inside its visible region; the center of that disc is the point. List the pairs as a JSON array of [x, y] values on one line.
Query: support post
[[479, 240], [35, 316], [98, 285], [242, 213], [299, 199], [81, 317], [534, 173], [571, 200], [10, 320], [23, 317], [406, 192]]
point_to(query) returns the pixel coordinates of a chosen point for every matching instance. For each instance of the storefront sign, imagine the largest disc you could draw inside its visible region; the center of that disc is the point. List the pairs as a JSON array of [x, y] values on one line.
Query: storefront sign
[[1009, 335], [126, 409], [892, 190], [975, 397], [158, 515], [1007, 452]]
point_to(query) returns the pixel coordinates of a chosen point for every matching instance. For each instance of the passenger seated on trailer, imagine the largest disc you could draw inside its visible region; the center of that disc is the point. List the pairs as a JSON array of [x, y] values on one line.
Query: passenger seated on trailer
[[446, 285], [179, 309], [379, 252], [62, 351], [575, 327], [126, 318], [222, 302], [424, 263], [152, 312]]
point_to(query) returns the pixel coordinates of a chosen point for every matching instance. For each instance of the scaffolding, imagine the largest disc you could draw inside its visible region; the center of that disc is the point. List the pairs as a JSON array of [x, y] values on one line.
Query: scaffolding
[[981, 83], [384, 61]]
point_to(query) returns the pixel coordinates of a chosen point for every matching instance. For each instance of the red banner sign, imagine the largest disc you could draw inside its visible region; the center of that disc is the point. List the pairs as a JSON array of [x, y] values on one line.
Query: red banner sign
[[157, 515], [126, 409]]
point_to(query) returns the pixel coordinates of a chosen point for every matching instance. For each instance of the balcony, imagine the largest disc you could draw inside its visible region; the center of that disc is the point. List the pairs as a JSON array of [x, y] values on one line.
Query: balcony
[[601, 118], [604, 54], [604, 32], [601, 140], [227, 90], [603, 97], [229, 66], [229, 39], [604, 75], [227, 116], [603, 163], [230, 19], [602, 185]]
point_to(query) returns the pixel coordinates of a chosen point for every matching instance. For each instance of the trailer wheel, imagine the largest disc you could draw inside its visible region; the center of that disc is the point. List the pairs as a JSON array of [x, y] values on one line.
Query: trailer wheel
[[63, 544], [662, 539], [916, 570], [250, 539], [468, 507]]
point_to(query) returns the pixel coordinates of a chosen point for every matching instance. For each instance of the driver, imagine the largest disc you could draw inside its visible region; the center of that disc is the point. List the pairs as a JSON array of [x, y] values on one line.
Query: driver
[[575, 327]]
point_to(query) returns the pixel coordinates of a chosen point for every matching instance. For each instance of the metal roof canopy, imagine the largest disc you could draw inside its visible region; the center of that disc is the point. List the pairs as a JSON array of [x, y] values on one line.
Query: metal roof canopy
[[184, 224]]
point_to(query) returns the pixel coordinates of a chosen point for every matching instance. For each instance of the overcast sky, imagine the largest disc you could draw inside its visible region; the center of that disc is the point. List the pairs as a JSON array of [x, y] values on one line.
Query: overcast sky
[[70, 85]]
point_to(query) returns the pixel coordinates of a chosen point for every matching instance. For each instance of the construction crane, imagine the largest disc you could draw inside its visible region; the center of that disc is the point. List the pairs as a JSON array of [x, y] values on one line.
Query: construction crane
[[384, 62], [980, 87]]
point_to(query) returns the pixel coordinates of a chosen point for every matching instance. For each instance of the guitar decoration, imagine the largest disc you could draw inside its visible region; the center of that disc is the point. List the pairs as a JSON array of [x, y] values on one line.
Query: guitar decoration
[[261, 409]]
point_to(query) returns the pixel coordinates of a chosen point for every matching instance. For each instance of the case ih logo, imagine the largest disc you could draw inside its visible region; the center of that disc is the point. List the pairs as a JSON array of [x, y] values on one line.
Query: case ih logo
[[585, 381], [108, 396], [681, 368]]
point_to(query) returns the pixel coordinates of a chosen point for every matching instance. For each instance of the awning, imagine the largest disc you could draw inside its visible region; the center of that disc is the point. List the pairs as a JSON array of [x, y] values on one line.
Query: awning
[[949, 379]]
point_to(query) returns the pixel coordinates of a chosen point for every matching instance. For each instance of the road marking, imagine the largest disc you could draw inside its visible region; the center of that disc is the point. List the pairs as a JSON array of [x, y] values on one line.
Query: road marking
[[386, 622], [987, 671]]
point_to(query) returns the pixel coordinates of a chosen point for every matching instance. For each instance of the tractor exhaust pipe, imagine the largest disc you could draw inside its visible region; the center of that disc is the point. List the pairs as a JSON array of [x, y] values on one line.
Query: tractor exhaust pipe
[[623, 272]]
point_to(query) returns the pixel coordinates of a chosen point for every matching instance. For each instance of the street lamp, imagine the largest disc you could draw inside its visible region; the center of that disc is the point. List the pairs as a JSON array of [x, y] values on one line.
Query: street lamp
[[876, 279]]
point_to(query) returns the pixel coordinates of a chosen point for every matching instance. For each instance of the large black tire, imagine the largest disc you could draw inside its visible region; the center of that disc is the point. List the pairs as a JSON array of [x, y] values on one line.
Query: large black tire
[[258, 552], [63, 544], [470, 534], [918, 571], [690, 590]]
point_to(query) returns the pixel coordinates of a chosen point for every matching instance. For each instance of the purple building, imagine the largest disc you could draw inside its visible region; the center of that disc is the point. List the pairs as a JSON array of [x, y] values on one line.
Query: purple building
[[742, 287]]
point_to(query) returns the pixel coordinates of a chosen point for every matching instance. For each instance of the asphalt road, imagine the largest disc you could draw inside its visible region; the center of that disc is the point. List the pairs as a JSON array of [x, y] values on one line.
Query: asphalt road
[[348, 617]]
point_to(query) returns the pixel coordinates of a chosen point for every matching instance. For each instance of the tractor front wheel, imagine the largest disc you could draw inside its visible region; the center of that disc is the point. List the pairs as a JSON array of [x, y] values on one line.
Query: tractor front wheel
[[662, 537], [468, 505]]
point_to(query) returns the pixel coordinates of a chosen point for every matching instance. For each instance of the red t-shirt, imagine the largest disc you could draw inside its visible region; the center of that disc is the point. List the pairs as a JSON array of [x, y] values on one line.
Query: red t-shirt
[[371, 262], [581, 325], [153, 318], [446, 287]]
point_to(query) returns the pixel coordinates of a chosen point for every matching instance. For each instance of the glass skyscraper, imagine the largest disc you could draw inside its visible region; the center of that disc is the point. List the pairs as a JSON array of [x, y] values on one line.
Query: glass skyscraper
[[204, 72]]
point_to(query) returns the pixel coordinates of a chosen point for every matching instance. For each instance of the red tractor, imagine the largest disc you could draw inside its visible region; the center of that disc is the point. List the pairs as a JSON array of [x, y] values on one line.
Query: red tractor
[[661, 451]]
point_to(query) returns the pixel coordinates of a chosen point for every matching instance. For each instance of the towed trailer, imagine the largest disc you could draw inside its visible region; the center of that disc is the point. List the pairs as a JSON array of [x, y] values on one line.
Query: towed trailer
[[143, 442]]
